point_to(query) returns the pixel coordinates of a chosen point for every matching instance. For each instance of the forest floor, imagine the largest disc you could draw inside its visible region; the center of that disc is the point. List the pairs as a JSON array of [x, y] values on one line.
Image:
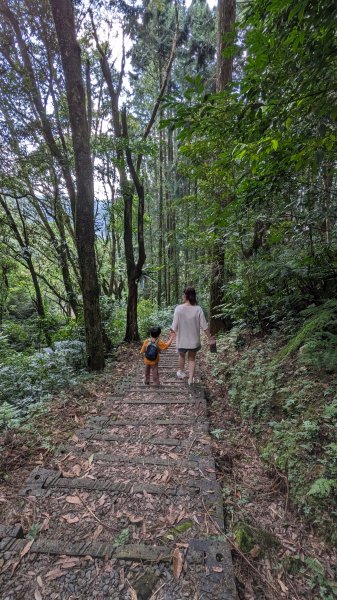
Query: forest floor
[[276, 552], [281, 549]]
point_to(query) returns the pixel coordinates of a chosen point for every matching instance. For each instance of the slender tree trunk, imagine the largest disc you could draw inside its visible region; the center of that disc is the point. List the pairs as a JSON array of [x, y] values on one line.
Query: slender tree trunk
[[186, 250], [328, 171], [64, 259], [4, 289], [226, 19], [84, 214], [23, 242], [175, 286], [161, 272], [132, 333]]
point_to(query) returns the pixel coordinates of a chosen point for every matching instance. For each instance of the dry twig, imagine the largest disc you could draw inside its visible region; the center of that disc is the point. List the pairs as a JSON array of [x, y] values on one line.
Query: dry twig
[[96, 518]]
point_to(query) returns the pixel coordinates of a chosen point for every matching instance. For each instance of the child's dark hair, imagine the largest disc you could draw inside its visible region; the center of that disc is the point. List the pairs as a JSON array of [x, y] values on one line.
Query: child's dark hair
[[155, 332], [190, 295]]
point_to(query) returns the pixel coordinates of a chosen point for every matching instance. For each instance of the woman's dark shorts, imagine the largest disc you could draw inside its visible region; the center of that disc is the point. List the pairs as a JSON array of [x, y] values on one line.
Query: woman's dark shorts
[[183, 350]]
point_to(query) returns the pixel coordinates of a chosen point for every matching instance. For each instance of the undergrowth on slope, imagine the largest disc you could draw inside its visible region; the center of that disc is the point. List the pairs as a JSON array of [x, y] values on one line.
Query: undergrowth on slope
[[290, 406]]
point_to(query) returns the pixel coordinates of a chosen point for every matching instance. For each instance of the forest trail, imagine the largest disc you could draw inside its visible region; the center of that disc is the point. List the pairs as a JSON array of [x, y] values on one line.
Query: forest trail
[[135, 512]]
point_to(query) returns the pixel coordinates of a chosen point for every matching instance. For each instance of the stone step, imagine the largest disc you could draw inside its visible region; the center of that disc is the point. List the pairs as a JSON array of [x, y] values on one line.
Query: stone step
[[202, 462], [104, 421], [207, 572]]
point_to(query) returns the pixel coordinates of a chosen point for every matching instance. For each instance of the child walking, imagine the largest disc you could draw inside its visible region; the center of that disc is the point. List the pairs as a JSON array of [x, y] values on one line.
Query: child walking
[[151, 349]]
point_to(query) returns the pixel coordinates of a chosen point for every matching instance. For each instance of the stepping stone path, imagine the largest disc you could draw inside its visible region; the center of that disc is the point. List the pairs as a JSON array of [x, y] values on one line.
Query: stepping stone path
[[135, 513]]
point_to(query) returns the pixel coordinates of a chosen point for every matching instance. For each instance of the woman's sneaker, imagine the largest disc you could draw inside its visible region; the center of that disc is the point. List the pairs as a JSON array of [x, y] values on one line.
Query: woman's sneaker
[[181, 374]]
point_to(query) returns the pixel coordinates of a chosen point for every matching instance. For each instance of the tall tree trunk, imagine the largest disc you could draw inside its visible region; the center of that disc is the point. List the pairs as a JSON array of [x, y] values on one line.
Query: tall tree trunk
[[226, 19], [161, 271], [84, 214]]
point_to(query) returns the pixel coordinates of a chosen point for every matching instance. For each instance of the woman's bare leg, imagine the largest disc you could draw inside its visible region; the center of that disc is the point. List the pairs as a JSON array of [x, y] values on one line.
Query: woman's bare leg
[[191, 365], [182, 356]]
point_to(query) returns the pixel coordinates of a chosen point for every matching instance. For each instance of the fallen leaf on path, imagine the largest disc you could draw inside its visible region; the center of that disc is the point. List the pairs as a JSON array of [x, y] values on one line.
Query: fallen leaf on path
[[67, 562], [75, 438], [37, 594], [54, 574], [177, 560], [165, 476], [23, 553], [26, 549], [255, 551], [45, 524], [97, 532], [70, 519], [73, 500], [122, 576], [173, 455], [39, 581], [102, 500], [77, 470], [134, 519], [133, 594], [282, 586]]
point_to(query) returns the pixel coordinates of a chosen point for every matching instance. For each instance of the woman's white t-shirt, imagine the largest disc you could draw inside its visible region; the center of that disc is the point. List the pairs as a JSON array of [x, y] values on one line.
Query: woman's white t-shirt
[[187, 321]]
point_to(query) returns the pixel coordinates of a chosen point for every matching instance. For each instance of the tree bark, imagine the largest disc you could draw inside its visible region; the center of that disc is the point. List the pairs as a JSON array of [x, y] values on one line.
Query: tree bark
[[84, 210], [226, 19], [161, 272]]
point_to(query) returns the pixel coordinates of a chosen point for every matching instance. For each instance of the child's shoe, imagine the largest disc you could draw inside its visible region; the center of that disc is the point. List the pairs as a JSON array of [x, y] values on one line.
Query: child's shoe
[[181, 374]]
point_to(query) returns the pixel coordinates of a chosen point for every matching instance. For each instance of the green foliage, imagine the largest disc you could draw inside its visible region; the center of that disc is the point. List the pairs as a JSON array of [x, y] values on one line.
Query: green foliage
[[319, 343], [28, 379], [72, 330], [149, 315], [8, 415], [122, 538], [178, 530], [217, 433], [248, 537], [323, 487], [113, 316]]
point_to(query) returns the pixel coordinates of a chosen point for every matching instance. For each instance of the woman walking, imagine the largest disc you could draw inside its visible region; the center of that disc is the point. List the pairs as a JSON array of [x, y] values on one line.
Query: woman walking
[[188, 319]]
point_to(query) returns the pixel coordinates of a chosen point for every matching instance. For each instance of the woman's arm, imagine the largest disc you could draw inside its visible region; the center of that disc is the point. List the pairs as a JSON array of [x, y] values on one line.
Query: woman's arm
[[174, 326], [204, 326], [211, 338]]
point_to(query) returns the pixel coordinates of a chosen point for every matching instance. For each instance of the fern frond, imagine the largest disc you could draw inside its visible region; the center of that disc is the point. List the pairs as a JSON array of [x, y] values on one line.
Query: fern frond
[[321, 316], [322, 487]]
